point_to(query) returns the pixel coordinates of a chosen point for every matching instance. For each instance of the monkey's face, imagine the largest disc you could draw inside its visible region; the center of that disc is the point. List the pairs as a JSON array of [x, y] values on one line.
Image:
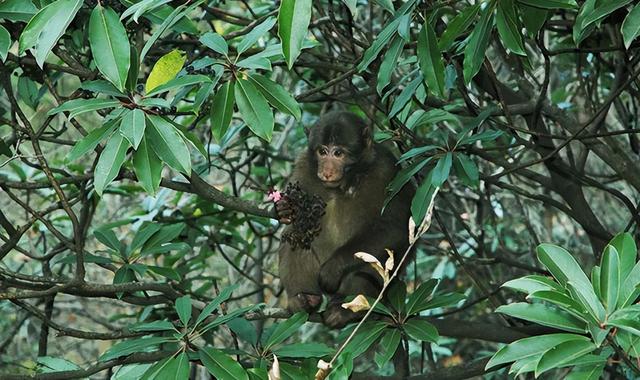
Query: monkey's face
[[333, 160]]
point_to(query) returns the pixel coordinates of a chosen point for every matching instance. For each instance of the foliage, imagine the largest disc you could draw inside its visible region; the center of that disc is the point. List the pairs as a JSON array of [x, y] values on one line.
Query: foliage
[[139, 139], [601, 307]]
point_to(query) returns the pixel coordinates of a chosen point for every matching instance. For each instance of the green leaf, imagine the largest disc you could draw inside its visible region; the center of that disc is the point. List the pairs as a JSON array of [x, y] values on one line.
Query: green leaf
[[45, 28], [405, 95], [48, 364], [529, 347], [90, 141], [77, 107], [110, 161], [148, 168], [466, 169], [258, 32], [108, 238], [177, 368], [442, 169], [351, 4], [167, 143], [422, 199], [221, 366], [378, 44], [627, 251], [421, 330], [630, 325], [5, 43], [630, 289], [387, 346], [222, 110], [421, 296], [303, 350], [588, 372], [254, 109], [534, 19], [183, 81], [386, 4], [478, 43], [430, 59], [165, 272], [561, 300], [532, 283], [563, 353], [543, 315], [129, 347], [183, 308], [584, 25], [216, 302], [17, 10], [631, 26], [293, 22], [102, 87], [561, 264], [285, 329], [152, 326], [165, 69], [369, 332], [610, 277], [457, 26], [132, 127], [276, 95], [215, 42], [551, 4], [109, 45], [509, 27], [389, 63]]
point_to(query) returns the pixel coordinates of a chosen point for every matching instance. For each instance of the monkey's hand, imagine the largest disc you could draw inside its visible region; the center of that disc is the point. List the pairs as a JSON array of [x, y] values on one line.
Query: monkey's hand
[[284, 211], [330, 276], [304, 302], [335, 316]]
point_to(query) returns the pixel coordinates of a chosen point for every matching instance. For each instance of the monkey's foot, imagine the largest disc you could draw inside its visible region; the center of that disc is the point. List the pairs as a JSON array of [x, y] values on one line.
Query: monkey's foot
[[335, 316]]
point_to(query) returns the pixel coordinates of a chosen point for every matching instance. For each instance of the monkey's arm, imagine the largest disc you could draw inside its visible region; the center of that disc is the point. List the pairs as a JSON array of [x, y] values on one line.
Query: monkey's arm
[[373, 241]]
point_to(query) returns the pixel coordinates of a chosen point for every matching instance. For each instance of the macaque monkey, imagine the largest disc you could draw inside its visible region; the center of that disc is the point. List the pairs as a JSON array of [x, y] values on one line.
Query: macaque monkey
[[350, 173]]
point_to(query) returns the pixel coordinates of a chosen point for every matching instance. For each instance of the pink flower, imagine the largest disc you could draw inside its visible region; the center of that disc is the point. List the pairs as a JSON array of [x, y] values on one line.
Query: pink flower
[[274, 195]]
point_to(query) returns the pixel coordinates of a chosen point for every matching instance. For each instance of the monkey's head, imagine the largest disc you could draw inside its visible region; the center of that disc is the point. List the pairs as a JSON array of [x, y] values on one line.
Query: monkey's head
[[338, 143]]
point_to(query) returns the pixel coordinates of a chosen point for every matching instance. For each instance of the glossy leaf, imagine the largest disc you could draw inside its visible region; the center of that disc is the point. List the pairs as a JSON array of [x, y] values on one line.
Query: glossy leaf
[[177, 368], [421, 296], [77, 107], [530, 347], [421, 330], [45, 28], [221, 366], [388, 346], [303, 350], [610, 277], [254, 109], [478, 43], [216, 302], [586, 20], [562, 354], [109, 45], [389, 63], [285, 329], [431, 61], [293, 22], [183, 308], [129, 347], [17, 10], [110, 161], [256, 33], [457, 26], [90, 141], [148, 168], [132, 127], [631, 26], [627, 252], [543, 315], [5, 43], [509, 27], [276, 95], [215, 42], [551, 4], [165, 69], [222, 110], [378, 44], [167, 143]]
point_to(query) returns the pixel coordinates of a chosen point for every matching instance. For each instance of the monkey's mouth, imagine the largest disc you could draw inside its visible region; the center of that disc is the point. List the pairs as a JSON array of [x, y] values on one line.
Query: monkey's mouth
[[332, 184]]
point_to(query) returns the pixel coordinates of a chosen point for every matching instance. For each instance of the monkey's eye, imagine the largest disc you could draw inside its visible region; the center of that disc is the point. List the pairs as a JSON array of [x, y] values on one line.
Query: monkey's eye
[[338, 153], [322, 151]]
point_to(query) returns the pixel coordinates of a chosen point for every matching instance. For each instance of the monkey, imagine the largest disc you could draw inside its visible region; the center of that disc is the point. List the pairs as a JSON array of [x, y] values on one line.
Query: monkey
[[343, 166]]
